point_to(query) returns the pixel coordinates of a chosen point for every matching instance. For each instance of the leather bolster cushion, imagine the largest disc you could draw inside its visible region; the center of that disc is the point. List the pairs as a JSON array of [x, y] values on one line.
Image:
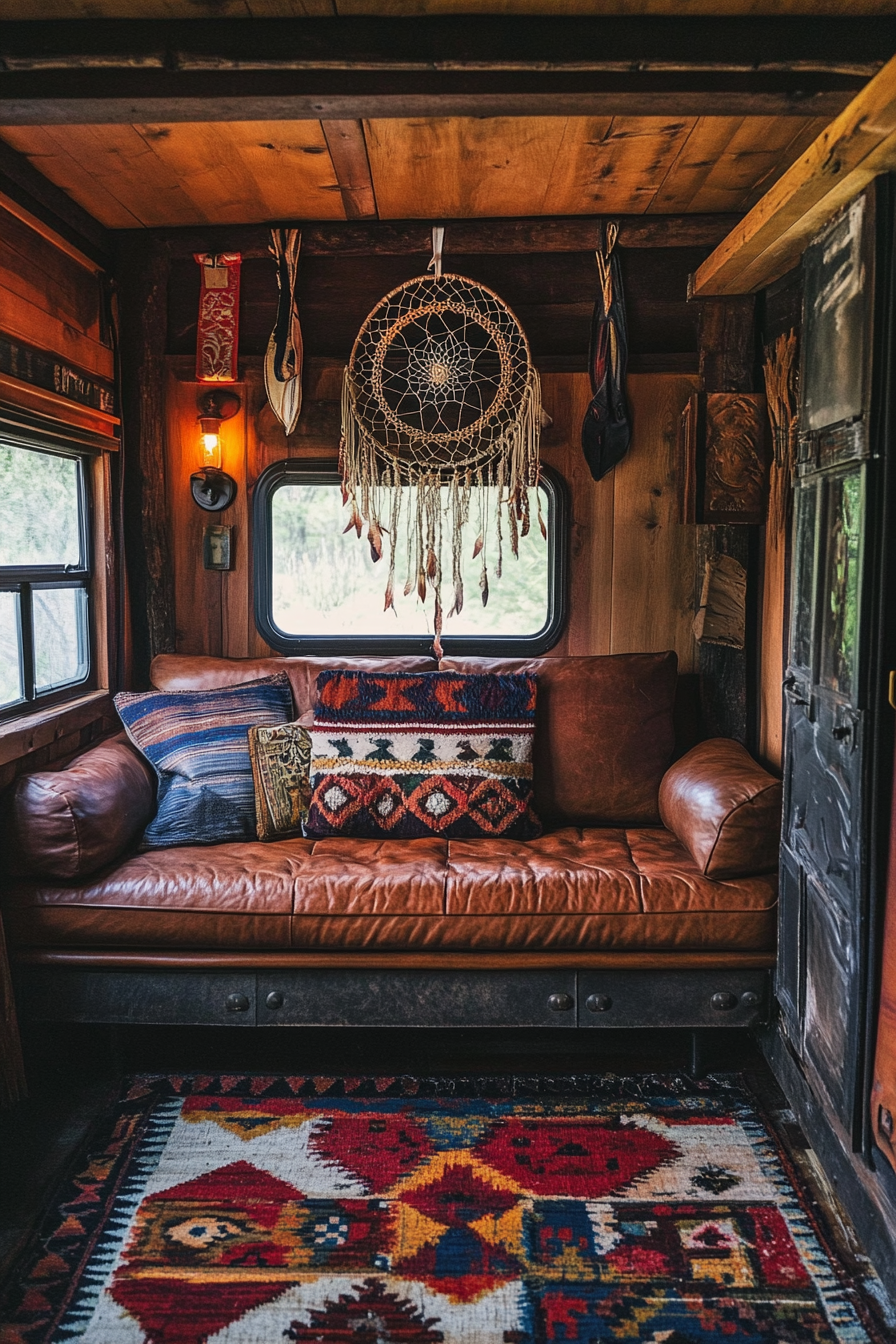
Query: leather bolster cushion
[[67, 823], [724, 808]]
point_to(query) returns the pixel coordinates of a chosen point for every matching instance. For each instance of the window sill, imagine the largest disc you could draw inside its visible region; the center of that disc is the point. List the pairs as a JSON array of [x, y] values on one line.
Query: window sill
[[20, 737]]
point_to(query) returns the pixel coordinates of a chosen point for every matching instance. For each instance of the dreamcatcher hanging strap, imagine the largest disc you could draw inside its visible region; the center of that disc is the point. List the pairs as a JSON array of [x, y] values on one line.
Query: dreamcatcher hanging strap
[[438, 240]]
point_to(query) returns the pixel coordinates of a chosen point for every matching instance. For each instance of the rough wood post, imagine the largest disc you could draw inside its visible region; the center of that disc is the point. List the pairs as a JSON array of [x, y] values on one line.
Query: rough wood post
[[727, 364], [142, 274]]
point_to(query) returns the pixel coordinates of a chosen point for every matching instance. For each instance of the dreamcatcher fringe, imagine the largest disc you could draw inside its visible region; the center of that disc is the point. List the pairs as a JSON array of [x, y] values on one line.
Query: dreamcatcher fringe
[[372, 486]]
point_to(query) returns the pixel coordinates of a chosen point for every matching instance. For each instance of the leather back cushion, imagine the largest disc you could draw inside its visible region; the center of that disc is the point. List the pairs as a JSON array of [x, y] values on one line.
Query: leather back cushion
[[724, 808], [67, 823], [186, 672], [604, 734]]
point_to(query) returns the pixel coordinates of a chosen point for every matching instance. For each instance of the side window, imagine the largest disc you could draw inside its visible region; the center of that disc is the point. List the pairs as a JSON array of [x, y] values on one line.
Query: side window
[[45, 570], [317, 588]]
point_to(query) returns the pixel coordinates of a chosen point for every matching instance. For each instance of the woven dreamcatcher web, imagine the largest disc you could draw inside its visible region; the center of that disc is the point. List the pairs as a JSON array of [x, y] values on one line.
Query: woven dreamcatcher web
[[439, 396]]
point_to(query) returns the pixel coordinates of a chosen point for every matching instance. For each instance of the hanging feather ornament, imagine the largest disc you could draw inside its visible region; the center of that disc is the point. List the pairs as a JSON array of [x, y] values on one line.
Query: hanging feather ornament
[[440, 396], [283, 358], [606, 432]]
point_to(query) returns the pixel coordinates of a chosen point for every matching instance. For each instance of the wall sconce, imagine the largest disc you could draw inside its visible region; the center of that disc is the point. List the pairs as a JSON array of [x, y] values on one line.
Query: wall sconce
[[212, 488]]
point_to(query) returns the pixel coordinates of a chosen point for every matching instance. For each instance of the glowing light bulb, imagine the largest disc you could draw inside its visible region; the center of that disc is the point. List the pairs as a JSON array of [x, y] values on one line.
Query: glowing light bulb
[[211, 442]]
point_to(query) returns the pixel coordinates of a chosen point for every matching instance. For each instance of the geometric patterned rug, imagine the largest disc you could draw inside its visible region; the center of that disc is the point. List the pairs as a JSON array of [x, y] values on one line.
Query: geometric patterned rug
[[255, 1210]]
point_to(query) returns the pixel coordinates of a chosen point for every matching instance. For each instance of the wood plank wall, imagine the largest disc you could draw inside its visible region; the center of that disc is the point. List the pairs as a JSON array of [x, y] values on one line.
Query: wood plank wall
[[50, 299], [633, 564]]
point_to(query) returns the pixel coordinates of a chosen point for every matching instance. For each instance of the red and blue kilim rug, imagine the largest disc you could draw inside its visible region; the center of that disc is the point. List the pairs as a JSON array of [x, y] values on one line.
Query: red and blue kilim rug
[[257, 1210]]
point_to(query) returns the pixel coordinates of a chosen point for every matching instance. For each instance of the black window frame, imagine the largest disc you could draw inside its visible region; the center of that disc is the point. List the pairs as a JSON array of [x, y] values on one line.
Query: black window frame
[[21, 430], [297, 470]]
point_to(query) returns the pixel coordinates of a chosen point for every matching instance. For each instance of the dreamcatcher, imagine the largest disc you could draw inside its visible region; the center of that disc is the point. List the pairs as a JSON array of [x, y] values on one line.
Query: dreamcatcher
[[440, 396]]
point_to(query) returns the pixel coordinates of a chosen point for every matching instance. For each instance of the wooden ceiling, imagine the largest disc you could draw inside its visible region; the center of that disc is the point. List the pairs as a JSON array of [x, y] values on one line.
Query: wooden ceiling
[[183, 173]]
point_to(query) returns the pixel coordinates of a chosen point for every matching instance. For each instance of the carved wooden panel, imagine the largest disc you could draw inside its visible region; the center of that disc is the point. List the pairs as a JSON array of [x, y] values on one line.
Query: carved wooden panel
[[736, 458], [723, 448]]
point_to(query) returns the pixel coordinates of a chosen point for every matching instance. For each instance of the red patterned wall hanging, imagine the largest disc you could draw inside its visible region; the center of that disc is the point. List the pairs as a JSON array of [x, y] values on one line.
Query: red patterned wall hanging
[[217, 338]]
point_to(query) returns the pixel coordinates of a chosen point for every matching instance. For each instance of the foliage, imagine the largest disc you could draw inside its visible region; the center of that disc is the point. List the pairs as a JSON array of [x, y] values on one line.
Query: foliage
[[326, 582]]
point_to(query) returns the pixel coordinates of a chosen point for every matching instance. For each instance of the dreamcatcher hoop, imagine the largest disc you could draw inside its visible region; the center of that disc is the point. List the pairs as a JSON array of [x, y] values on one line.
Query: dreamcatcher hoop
[[440, 391]]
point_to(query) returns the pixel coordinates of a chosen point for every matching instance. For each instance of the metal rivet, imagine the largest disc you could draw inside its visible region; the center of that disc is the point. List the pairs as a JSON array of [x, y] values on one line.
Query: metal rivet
[[236, 1003], [750, 999], [274, 1000], [599, 1003], [723, 1002], [561, 1003]]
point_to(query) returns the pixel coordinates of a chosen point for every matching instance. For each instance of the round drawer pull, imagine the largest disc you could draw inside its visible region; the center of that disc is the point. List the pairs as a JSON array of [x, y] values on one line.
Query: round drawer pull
[[724, 1001], [598, 1003], [274, 1000], [561, 1003], [236, 1003], [750, 999]]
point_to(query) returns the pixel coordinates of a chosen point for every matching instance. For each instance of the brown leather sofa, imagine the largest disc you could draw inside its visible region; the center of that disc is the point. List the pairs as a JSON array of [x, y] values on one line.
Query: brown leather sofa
[[650, 899]]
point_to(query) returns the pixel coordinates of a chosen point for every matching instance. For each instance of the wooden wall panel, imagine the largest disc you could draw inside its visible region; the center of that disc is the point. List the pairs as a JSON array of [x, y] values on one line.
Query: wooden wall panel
[[48, 299], [654, 556], [632, 564], [773, 654]]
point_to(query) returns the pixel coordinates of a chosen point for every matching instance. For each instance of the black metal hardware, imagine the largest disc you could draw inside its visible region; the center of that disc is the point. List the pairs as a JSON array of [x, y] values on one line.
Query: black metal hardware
[[212, 489], [723, 1001], [398, 998]]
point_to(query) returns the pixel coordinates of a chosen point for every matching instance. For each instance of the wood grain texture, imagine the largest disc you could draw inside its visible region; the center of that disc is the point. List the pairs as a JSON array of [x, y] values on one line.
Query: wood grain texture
[[464, 167], [142, 272], [348, 154], [840, 162], [773, 655], [654, 560], [185, 173]]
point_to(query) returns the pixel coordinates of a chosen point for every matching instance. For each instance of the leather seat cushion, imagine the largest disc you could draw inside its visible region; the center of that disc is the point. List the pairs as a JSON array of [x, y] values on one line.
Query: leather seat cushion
[[573, 890], [604, 734]]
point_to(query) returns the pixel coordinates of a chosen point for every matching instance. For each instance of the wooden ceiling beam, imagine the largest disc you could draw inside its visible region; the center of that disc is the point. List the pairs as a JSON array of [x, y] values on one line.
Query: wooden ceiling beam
[[115, 97], [344, 69], [348, 155], [771, 238], [849, 46], [579, 233]]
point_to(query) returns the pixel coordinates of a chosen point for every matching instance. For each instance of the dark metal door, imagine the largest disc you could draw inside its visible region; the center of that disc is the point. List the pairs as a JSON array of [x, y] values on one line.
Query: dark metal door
[[833, 700]]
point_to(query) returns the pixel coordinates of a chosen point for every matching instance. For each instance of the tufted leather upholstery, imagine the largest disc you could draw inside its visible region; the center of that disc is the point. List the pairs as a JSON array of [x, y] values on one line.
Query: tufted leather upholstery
[[605, 877], [574, 889]]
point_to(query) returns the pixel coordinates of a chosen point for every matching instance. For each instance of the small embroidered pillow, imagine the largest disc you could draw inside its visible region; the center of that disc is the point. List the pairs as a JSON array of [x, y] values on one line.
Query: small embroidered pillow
[[281, 759], [402, 755]]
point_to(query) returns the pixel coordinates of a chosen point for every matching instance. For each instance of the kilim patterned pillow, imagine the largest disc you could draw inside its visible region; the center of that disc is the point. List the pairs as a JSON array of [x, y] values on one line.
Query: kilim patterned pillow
[[197, 743], [281, 761], [437, 753]]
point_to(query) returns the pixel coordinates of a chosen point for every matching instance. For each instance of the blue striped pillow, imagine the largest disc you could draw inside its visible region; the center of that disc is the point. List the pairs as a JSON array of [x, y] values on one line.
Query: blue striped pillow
[[197, 743]]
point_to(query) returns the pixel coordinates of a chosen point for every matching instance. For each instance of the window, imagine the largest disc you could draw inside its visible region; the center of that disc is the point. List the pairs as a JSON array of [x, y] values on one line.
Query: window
[[318, 590], [45, 647]]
